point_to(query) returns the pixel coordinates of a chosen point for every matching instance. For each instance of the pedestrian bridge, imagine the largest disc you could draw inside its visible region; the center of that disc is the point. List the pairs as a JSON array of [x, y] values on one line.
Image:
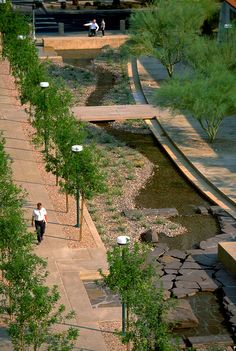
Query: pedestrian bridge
[[114, 112]]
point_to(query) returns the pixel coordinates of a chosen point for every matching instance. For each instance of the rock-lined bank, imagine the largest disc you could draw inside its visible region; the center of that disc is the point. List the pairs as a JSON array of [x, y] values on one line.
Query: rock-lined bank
[[185, 273]]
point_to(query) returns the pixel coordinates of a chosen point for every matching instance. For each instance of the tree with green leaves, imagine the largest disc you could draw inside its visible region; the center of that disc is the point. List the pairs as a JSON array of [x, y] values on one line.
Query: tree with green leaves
[[30, 308], [133, 279], [67, 132], [207, 89], [162, 28], [85, 177], [204, 52]]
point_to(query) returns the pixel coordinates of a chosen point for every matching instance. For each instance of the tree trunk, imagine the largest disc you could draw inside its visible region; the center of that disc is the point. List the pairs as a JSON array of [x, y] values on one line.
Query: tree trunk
[[170, 70], [127, 325], [81, 217], [67, 203]]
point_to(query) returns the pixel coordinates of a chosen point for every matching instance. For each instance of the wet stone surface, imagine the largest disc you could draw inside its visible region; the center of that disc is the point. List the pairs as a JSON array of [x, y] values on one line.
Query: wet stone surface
[[100, 297], [197, 274]]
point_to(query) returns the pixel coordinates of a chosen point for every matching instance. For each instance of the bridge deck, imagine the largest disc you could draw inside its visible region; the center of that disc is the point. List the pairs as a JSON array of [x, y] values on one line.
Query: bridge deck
[[114, 112]]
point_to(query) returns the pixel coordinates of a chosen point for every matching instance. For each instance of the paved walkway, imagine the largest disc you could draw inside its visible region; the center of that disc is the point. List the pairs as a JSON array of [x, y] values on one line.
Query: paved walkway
[[66, 266], [215, 162]]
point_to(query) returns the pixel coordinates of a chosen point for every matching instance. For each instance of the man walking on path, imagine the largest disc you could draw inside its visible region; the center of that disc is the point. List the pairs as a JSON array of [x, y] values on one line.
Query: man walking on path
[[93, 28], [39, 219]]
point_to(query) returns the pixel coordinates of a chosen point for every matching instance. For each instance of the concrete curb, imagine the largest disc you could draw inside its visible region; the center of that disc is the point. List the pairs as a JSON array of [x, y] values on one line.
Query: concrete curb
[[178, 157]]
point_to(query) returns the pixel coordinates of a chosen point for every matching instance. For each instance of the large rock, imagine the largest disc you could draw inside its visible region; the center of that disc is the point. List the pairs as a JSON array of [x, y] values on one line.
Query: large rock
[[177, 254], [136, 214], [150, 236], [183, 292], [182, 315], [200, 342]]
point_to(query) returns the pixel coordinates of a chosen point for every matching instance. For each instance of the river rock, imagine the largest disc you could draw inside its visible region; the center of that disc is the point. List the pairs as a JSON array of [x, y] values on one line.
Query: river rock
[[160, 212], [206, 260], [159, 250], [171, 271], [215, 210], [166, 259], [136, 214], [202, 210], [150, 236], [193, 275], [168, 277], [186, 284], [182, 315], [190, 265], [174, 264], [183, 292], [177, 254], [208, 285]]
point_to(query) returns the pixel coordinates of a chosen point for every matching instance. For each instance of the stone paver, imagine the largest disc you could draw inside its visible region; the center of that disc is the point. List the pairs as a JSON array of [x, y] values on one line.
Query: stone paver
[[65, 265]]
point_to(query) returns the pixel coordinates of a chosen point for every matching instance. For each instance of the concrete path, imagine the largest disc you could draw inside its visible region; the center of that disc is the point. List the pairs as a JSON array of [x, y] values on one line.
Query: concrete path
[[114, 112], [215, 163], [66, 266]]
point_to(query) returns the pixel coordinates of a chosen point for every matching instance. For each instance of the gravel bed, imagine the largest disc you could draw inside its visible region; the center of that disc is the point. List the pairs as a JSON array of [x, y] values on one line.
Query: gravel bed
[[112, 341]]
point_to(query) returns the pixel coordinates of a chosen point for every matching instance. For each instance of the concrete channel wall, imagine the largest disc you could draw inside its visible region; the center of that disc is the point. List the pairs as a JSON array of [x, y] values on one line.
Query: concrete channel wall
[[81, 43]]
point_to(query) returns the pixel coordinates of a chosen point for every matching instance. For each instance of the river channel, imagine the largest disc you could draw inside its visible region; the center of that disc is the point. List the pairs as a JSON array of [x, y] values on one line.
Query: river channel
[[166, 188]]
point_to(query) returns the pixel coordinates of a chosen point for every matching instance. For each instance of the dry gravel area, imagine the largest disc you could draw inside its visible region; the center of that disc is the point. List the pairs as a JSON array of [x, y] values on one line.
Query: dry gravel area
[[112, 341]]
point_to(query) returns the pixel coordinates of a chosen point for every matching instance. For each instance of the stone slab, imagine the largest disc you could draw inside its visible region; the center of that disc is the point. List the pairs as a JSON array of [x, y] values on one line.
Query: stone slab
[[181, 255], [182, 315], [227, 255], [204, 341], [183, 292]]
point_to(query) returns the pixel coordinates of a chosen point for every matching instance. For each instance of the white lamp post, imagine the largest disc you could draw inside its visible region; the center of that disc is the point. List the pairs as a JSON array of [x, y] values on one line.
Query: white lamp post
[[227, 26], [77, 149], [21, 37], [45, 85], [122, 241]]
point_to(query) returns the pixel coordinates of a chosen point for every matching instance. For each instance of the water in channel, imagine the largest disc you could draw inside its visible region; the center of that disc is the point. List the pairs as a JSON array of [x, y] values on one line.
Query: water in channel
[[166, 188]]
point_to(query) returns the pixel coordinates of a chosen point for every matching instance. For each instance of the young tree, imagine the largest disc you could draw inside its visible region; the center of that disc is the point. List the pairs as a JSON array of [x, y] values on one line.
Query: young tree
[[204, 52], [208, 98], [85, 176], [161, 29], [132, 278]]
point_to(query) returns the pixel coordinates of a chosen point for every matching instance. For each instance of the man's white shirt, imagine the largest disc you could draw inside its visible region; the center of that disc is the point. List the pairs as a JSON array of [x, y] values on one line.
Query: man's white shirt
[[39, 215], [92, 25]]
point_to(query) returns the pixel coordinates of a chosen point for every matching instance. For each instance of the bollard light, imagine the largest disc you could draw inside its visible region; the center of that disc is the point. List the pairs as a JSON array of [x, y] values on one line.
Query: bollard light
[[77, 149], [122, 241]]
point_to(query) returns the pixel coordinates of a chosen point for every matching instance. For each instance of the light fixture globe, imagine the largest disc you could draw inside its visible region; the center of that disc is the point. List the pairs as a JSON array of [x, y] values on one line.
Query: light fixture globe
[[77, 148], [44, 84], [21, 37], [123, 240]]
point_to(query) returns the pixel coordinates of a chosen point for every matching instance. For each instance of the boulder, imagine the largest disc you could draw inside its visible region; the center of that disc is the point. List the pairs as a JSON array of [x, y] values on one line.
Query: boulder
[[200, 342], [182, 315], [202, 210], [150, 236], [137, 214]]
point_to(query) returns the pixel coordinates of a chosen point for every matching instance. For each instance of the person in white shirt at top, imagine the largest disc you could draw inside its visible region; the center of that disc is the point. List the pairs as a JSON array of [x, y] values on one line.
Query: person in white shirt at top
[[39, 219], [93, 28]]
